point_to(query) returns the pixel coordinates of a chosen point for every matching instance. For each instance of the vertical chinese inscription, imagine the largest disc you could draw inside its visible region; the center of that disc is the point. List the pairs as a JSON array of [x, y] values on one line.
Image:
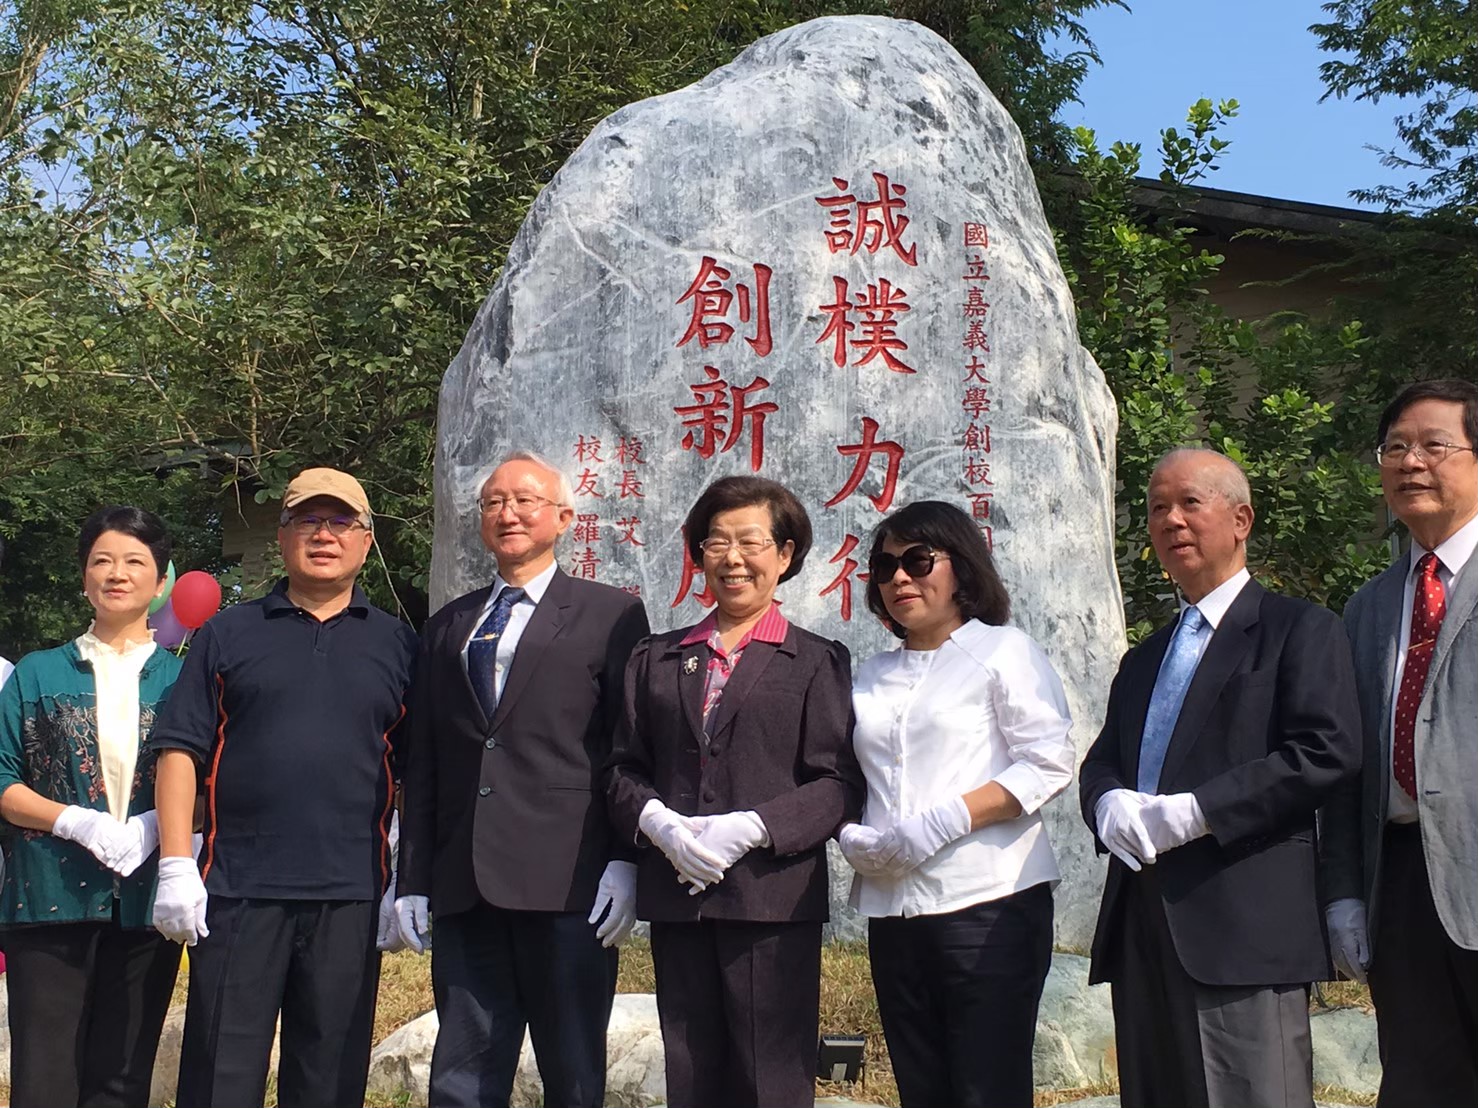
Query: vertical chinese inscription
[[975, 385]]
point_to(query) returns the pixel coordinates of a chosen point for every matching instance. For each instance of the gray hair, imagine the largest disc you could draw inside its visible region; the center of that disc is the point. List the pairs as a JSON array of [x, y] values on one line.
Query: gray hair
[[1227, 479], [564, 491]]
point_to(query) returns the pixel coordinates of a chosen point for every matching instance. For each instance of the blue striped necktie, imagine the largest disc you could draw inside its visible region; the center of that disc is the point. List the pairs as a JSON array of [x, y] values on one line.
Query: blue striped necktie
[[1170, 689], [482, 650]]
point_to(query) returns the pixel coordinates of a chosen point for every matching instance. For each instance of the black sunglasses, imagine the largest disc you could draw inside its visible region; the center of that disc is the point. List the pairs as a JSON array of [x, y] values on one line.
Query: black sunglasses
[[917, 561]]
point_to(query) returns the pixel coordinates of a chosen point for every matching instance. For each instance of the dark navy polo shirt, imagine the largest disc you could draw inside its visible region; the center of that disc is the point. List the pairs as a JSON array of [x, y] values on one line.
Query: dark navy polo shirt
[[294, 724]]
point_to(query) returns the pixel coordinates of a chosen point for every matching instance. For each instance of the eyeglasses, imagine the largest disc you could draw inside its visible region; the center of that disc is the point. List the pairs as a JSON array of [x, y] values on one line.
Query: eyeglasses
[[1393, 453], [524, 504], [308, 526], [917, 561], [749, 546]]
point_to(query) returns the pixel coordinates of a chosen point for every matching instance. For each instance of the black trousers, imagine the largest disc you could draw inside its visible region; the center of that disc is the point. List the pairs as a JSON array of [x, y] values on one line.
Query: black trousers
[[315, 962], [495, 972], [1424, 985], [958, 995], [738, 1004], [87, 1003]]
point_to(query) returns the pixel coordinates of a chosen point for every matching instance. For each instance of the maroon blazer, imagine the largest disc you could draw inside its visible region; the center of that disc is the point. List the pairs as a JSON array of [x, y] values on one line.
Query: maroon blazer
[[781, 747]]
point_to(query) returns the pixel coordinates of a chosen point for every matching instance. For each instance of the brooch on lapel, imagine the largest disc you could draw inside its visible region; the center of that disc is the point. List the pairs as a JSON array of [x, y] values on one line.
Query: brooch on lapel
[[690, 664]]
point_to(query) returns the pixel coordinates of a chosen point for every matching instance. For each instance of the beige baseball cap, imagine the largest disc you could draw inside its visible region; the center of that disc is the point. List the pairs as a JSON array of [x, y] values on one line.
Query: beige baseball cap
[[326, 482]]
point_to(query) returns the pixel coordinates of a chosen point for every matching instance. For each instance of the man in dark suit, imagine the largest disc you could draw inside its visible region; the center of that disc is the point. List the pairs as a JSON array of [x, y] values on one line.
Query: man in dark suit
[[504, 834], [1224, 733], [1399, 848]]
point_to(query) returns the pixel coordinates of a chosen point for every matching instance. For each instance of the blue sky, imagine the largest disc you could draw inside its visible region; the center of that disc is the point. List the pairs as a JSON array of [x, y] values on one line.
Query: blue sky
[[1166, 54]]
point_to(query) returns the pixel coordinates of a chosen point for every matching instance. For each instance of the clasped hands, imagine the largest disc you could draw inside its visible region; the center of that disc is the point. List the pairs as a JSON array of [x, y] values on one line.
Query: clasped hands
[[906, 845], [120, 845], [702, 848], [1137, 828]]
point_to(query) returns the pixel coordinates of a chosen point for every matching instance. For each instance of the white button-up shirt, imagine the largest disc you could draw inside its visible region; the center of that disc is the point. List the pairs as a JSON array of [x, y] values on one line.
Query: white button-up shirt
[[933, 724], [518, 619], [116, 680]]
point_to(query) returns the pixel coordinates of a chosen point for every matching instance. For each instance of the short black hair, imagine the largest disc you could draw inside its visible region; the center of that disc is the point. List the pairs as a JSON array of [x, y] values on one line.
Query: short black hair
[[788, 519], [143, 525], [944, 527], [1459, 392]]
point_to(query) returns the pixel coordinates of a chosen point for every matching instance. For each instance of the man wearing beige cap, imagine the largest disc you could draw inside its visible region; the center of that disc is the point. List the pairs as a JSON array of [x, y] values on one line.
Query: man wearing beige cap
[[286, 710]]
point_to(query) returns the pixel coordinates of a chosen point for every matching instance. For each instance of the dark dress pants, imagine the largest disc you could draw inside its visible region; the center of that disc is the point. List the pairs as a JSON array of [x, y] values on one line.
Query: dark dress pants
[[87, 1003], [738, 1004], [315, 962], [958, 995], [1424, 985], [495, 972], [1182, 1044]]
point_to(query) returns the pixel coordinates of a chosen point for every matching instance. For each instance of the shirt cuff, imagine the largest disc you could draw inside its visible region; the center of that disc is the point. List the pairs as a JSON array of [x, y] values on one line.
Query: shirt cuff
[[1027, 785]]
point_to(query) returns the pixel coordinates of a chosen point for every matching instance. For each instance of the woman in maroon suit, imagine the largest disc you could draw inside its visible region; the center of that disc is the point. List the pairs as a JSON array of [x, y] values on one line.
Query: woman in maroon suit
[[733, 766]]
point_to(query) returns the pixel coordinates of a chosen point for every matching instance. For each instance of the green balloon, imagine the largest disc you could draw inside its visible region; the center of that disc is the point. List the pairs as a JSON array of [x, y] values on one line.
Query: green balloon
[[163, 598]]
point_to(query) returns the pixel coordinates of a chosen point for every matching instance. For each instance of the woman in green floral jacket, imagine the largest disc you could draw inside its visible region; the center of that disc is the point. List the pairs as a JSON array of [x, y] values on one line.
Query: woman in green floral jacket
[[89, 979]]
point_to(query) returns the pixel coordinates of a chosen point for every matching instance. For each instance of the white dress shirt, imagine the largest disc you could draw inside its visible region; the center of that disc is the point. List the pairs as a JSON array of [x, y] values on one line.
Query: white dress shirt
[[518, 619], [935, 724], [5, 671], [1452, 555], [115, 676]]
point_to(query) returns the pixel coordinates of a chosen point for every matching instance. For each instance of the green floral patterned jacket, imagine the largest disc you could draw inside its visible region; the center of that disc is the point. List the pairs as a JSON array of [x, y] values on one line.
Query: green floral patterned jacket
[[48, 740]]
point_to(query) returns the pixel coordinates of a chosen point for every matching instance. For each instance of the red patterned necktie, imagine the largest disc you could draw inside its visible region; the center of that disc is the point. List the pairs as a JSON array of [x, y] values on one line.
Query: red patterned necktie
[[1428, 606]]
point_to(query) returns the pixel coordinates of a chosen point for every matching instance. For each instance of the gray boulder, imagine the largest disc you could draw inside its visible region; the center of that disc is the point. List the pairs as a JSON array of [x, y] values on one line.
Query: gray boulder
[[826, 263]]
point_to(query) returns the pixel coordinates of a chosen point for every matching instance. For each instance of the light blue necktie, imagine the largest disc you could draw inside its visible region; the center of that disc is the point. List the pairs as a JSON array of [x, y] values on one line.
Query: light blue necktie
[[1170, 687]]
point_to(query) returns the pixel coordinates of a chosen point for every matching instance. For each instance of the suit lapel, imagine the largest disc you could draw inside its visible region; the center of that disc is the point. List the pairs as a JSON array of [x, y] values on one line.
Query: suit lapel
[[1460, 606], [746, 675], [1224, 653], [1137, 690], [1379, 650], [692, 674], [550, 616], [459, 630]]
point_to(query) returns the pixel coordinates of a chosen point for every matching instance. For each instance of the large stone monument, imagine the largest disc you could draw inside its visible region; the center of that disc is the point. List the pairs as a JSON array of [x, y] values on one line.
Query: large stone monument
[[826, 263]]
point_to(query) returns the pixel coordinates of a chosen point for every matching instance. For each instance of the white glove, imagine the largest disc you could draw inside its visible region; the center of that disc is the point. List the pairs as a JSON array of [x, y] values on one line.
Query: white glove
[[908, 845], [677, 837], [615, 898], [859, 846], [179, 902], [122, 847], [1173, 820], [1121, 828], [1349, 942], [732, 835], [387, 933], [413, 921]]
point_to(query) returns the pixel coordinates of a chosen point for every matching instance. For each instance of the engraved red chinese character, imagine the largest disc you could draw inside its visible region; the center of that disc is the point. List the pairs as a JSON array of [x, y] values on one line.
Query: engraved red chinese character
[[975, 269], [980, 505], [976, 234], [691, 574], [712, 301], [976, 338], [585, 564], [629, 485], [880, 306], [634, 590], [843, 579], [585, 484], [868, 224], [977, 438], [628, 451], [977, 472], [975, 370], [717, 420], [587, 450], [587, 527], [628, 528], [975, 401], [863, 452], [975, 305]]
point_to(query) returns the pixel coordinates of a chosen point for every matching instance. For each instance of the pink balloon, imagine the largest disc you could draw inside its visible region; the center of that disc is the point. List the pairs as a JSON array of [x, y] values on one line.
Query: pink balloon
[[169, 632], [196, 597]]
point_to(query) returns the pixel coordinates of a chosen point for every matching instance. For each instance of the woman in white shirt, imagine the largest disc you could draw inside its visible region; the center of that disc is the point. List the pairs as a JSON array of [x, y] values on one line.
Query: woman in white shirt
[[962, 734]]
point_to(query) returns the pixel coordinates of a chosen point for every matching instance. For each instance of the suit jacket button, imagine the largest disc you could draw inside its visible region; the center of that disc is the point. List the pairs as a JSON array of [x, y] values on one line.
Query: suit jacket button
[[484, 791], [490, 744], [709, 796], [715, 750]]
